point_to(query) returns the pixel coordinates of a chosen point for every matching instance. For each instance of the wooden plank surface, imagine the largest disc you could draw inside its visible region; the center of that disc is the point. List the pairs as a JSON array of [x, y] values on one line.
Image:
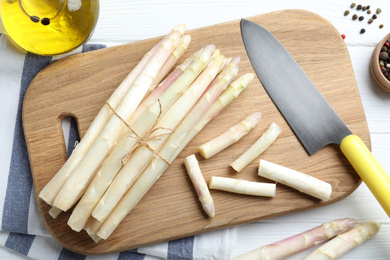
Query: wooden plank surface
[[79, 85]]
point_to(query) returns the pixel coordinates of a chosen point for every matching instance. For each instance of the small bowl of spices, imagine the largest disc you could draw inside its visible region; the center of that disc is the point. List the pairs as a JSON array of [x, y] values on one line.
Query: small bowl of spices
[[380, 63]]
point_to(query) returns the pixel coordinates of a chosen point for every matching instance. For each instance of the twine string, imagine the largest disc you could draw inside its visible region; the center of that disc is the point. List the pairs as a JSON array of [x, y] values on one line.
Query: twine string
[[147, 137]]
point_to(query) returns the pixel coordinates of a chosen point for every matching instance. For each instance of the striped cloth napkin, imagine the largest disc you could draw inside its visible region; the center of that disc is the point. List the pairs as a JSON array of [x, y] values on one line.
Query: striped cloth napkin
[[22, 229]]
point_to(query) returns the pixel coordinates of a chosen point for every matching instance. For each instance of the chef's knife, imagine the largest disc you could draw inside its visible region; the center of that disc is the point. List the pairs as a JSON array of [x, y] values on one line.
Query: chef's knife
[[310, 116]]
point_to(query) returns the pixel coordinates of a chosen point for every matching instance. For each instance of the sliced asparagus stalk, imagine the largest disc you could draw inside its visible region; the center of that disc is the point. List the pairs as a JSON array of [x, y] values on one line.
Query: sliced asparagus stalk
[[300, 242], [78, 181], [157, 166], [243, 186], [171, 61], [257, 148], [50, 191], [233, 135], [344, 242], [200, 185], [141, 157], [143, 119], [297, 180]]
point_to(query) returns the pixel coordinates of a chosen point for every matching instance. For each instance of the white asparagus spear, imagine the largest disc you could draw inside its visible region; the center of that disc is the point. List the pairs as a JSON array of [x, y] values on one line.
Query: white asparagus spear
[[78, 181], [345, 242], [257, 148], [200, 185], [297, 243], [297, 180], [242, 186], [156, 168], [143, 154], [231, 136], [50, 191], [171, 61], [143, 119]]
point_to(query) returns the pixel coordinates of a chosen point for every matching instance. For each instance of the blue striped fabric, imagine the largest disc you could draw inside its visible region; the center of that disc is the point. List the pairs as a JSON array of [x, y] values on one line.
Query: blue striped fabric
[[18, 211]]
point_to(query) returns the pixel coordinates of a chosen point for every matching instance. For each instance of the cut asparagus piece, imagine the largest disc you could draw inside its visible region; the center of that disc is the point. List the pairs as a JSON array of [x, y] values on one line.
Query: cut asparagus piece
[[200, 185], [78, 181], [300, 242], [144, 118], [297, 180], [243, 186], [257, 148], [50, 191], [233, 135], [141, 157], [170, 150], [344, 242]]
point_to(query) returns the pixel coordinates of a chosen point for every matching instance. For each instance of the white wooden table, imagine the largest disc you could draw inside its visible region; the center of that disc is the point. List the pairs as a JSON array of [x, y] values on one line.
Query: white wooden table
[[127, 21]]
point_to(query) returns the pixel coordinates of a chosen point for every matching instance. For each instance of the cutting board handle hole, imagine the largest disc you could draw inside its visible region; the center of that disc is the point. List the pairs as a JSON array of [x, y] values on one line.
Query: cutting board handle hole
[[70, 133]]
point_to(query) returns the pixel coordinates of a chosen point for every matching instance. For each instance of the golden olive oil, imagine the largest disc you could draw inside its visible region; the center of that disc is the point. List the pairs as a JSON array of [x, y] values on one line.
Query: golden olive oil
[[49, 27]]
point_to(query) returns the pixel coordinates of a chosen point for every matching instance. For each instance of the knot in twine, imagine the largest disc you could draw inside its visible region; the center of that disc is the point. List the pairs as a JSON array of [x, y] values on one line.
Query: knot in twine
[[147, 137]]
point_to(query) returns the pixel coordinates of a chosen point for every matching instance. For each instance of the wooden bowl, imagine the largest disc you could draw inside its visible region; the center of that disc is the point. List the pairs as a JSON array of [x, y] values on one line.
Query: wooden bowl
[[375, 68]]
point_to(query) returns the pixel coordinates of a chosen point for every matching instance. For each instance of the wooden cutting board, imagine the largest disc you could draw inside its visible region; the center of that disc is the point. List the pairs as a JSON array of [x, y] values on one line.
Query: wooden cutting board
[[79, 85]]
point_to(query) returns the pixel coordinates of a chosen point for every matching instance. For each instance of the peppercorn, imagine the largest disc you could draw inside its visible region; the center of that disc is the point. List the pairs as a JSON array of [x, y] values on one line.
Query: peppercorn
[[353, 5], [45, 21], [384, 48], [361, 18], [370, 21], [368, 7], [364, 8], [378, 11], [35, 19], [374, 16], [346, 12], [388, 65], [383, 56], [387, 44], [381, 64], [354, 17], [369, 11], [359, 7], [381, 26], [343, 36]]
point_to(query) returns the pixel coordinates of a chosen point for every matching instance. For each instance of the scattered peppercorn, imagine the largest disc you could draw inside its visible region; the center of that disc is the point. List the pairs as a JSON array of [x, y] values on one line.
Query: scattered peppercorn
[[374, 16], [343, 36], [381, 26], [368, 11], [363, 31], [368, 7], [361, 18], [353, 5], [346, 12], [364, 8], [370, 21], [359, 7], [384, 48], [354, 17], [378, 11], [387, 44]]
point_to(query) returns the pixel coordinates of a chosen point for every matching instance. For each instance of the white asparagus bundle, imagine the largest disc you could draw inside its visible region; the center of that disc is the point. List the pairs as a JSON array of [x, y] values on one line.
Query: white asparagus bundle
[[141, 157], [346, 241], [144, 118], [196, 176], [171, 61], [170, 150], [78, 181], [257, 148], [300, 242], [243, 186], [297, 180], [50, 191], [233, 135]]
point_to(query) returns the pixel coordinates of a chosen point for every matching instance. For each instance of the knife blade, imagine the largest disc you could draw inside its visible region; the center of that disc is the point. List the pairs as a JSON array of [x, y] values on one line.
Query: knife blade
[[305, 109]]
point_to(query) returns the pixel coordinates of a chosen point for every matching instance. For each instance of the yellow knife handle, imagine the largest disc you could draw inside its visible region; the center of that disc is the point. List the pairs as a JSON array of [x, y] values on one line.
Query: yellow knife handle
[[368, 168]]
